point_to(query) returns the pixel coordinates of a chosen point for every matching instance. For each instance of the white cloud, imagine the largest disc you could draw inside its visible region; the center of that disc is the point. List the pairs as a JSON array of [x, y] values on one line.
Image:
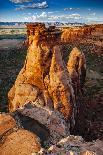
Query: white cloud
[[41, 5], [50, 12], [50, 17], [93, 14], [66, 9], [19, 1], [43, 15], [89, 9]]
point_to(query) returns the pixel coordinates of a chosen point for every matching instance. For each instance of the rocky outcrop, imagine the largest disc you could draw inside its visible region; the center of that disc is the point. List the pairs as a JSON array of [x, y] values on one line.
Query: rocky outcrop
[[51, 119], [44, 100], [29, 84], [44, 78], [61, 90], [14, 140], [48, 85], [17, 141], [73, 34], [77, 70]]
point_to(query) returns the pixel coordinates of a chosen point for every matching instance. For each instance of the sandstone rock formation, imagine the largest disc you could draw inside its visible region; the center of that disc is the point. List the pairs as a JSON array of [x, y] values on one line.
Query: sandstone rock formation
[[77, 69], [61, 90], [43, 64], [29, 84], [98, 28], [72, 34], [19, 143], [45, 97], [14, 140]]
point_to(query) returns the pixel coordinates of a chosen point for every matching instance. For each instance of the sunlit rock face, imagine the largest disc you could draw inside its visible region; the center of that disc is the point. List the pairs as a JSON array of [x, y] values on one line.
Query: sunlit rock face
[[77, 70], [20, 142], [44, 78], [98, 28], [60, 85], [14, 140], [72, 34], [6, 123]]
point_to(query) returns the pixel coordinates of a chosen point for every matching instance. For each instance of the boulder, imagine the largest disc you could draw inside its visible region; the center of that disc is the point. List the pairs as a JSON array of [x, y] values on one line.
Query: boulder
[[14, 140], [51, 119], [20, 142], [75, 145]]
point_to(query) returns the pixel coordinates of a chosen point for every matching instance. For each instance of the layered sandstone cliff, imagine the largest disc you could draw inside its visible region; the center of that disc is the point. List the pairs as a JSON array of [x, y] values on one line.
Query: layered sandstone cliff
[[73, 34]]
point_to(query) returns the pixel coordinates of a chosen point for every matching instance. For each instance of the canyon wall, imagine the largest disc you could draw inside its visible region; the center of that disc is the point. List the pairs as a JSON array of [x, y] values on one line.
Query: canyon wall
[[74, 33]]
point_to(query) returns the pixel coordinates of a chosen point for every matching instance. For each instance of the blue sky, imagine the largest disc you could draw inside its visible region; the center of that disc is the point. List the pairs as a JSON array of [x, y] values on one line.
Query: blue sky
[[51, 10]]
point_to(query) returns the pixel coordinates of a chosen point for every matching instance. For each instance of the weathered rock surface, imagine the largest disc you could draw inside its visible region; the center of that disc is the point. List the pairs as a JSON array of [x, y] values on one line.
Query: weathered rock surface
[[20, 142], [51, 119], [29, 83], [6, 123], [72, 34], [61, 89], [14, 140], [94, 75], [77, 69]]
